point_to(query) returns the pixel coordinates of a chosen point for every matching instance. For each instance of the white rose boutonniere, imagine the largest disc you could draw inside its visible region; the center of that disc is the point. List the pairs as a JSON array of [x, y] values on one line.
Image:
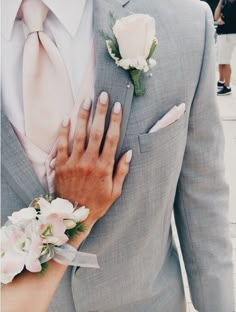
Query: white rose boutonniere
[[132, 46]]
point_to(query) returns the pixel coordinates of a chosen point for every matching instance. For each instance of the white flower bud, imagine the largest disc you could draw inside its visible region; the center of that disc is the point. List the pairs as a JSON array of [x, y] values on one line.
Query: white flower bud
[[69, 224]]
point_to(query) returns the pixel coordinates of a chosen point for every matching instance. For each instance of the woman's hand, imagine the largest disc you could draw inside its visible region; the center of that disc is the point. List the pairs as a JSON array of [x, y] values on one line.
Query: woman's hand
[[220, 21], [87, 175]]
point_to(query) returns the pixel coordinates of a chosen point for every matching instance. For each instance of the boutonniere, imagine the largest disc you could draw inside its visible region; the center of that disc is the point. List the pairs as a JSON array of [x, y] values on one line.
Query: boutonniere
[[132, 45]]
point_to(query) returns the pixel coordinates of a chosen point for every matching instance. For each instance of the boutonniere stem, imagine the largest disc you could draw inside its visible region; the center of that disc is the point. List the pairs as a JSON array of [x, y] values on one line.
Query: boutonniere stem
[[135, 75]]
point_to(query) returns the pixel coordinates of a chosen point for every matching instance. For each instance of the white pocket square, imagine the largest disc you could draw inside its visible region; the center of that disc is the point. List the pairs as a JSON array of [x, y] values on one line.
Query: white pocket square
[[173, 115]]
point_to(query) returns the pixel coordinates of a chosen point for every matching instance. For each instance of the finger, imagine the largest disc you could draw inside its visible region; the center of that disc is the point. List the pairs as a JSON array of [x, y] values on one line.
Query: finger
[[112, 136], [81, 129], [97, 129], [63, 142], [121, 173]]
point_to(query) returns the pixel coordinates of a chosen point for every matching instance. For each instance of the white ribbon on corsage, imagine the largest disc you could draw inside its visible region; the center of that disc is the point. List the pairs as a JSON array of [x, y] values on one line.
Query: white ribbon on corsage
[[68, 255]]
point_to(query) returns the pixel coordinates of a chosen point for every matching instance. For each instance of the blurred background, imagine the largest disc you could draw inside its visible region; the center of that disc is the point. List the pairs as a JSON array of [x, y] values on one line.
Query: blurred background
[[212, 4]]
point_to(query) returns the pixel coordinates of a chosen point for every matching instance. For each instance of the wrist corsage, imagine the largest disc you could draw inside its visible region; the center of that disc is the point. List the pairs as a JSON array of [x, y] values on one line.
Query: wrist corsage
[[39, 233]]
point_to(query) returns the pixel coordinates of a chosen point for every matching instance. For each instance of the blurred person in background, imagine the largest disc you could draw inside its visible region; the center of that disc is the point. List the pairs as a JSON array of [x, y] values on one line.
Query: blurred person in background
[[225, 16]]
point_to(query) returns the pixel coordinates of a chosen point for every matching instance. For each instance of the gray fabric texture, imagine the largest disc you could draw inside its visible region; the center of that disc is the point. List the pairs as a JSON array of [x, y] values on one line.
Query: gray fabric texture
[[179, 168]]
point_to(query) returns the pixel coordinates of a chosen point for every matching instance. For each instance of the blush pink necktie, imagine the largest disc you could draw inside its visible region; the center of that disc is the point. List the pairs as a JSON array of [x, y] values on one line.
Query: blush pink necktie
[[47, 93]]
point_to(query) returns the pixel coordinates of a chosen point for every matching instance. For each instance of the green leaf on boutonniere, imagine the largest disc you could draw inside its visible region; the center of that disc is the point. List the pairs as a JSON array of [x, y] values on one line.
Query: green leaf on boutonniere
[[44, 267], [153, 48], [72, 233], [113, 49], [111, 40], [135, 75]]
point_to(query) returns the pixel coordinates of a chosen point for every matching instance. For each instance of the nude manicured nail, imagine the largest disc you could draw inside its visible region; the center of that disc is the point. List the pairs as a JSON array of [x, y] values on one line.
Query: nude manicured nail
[[87, 104], [117, 108], [129, 155], [65, 121], [103, 98]]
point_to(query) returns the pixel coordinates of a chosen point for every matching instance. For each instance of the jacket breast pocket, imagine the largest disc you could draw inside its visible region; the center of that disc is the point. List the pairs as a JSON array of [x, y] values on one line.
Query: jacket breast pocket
[[149, 142]]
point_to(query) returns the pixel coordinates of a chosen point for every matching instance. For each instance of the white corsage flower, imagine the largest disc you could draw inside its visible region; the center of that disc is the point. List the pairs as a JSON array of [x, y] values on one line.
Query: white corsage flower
[[65, 210], [133, 45], [36, 234], [18, 250], [23, 216]]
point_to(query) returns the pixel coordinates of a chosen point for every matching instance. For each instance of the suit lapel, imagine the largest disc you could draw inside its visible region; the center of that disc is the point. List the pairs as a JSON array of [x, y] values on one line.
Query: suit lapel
[[109, 77], [16, 167]]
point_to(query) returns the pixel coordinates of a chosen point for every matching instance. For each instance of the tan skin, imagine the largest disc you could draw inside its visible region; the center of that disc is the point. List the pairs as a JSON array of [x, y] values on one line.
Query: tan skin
[[224, 69], [84, 176]]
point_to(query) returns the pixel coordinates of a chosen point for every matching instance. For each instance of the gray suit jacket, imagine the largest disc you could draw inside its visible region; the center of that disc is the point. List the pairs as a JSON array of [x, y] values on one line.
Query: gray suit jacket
[[179, 168]]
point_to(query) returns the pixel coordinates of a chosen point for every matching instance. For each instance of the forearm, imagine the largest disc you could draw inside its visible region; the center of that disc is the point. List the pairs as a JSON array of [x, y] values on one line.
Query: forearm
[[218, 10], [29, 290]]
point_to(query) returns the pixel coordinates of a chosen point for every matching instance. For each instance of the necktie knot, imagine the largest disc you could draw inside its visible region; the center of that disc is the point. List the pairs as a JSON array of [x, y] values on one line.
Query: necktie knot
[[34, 13]]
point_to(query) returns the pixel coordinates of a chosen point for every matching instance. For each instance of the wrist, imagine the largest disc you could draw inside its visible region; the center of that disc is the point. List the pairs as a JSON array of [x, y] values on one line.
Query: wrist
[[77, 241]]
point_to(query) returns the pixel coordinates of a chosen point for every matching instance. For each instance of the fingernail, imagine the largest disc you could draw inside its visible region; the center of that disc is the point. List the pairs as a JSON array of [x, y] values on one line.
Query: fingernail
[[117, 107], [65, 121], [103, 98], [129, 155], [87, 104]]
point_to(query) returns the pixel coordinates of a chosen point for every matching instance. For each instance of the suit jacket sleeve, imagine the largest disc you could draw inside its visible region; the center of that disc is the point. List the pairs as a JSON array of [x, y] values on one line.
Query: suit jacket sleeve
[[201, 203]]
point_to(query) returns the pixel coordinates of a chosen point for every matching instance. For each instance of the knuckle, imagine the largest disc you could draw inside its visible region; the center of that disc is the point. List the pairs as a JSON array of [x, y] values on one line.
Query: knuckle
[[116, 119], [108, 162], [62, 133], [59, 171], [90, 156], [61, 147], [86, 168], [78, 168], [112, 138], [83, 114], [96, 134], [70, 168], [64, 130], [104, 171], [101, 109], [79, 138], [117, 193], [123, 171]]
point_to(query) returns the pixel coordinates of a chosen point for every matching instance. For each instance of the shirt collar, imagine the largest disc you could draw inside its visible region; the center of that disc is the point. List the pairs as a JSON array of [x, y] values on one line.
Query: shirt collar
[[8, 16], [68, 12]]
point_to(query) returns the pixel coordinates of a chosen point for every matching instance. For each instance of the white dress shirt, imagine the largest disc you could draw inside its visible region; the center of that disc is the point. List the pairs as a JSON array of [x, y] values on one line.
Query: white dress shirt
[[69, 24]]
